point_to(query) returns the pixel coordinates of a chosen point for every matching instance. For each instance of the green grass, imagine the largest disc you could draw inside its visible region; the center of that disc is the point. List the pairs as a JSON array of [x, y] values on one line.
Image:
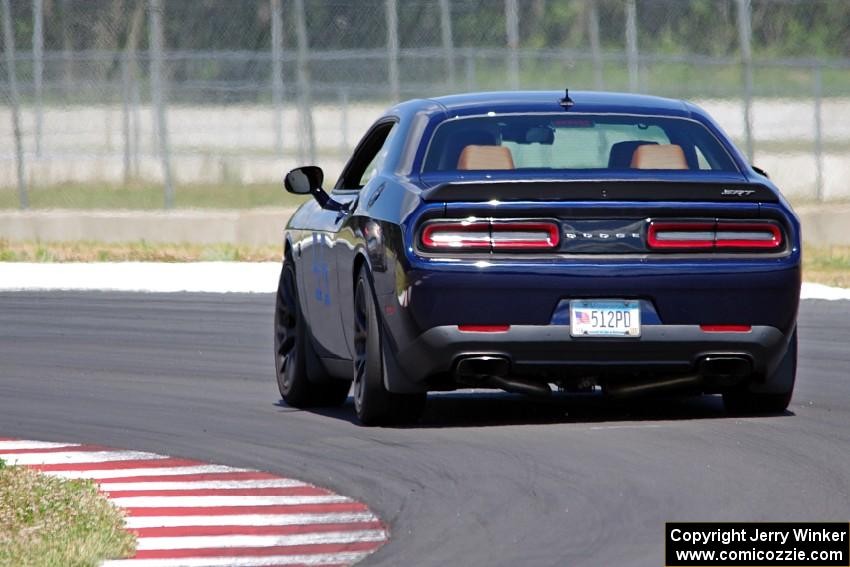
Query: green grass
[[51, 522], [89, 251], [149, 196], [828, 265]]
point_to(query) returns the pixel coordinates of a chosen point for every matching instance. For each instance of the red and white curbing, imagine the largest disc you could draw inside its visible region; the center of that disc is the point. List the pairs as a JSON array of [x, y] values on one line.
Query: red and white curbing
[[191, 514]]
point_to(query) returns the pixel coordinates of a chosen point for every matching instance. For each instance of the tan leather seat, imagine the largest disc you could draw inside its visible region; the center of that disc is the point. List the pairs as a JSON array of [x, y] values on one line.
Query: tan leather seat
[[659, 156], [485, 157]]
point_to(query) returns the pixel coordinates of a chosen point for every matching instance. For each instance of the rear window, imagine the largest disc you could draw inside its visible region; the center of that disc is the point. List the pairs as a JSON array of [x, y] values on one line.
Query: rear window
[[575, 142]]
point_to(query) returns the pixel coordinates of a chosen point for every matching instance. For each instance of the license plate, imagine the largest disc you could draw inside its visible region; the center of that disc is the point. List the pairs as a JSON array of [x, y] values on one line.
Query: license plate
[[604, 318]]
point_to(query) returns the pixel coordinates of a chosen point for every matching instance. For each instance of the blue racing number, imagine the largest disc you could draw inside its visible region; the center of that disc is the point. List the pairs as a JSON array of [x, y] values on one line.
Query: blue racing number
[[320, 269]]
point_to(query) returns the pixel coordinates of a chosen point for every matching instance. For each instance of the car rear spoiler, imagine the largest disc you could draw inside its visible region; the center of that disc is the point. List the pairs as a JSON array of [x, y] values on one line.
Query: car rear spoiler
[[604, 190]]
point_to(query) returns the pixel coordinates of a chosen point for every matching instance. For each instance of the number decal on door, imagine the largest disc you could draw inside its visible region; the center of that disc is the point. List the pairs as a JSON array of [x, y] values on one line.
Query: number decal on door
[[320, 268]]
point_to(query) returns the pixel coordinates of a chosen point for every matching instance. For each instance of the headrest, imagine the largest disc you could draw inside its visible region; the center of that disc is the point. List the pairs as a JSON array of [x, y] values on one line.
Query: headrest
[[622, 152], [661, 156], [485, 157]]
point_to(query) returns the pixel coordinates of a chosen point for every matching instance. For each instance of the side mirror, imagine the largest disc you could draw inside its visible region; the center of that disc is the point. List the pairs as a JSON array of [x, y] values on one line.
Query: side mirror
[[304, 180], [307, 180]]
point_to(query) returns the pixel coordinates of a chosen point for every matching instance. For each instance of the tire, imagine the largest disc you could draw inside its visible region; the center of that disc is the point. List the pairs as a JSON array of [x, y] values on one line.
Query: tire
[[292, 348], [374, 404], [745, 401]]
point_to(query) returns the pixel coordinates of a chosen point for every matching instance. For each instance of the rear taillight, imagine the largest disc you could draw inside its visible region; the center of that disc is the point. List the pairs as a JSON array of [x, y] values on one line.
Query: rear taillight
[[447, 236], [681, 235], [747, 235], [524, 235], [713, 235], [498, 235]]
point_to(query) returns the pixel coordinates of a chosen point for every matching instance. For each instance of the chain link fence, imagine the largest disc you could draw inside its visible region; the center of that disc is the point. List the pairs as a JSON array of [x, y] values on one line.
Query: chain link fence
[[183, 92]]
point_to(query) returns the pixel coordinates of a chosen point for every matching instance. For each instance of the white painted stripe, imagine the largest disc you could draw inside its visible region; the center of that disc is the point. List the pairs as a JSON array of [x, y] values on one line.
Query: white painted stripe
[[18, 445], [139, 522], [153, 471], [201, 542], [820, 291], [211, 277], [77, 457], [344, 558], [203, 484], [212, 501]]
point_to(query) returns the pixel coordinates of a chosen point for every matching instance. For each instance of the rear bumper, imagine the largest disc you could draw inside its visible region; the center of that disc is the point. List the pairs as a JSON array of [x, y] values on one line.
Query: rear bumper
[[550, 351]]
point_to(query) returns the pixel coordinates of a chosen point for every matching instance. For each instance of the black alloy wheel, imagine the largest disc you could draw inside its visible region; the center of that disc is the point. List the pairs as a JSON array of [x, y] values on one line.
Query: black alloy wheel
[[374, 404], [300, 380]]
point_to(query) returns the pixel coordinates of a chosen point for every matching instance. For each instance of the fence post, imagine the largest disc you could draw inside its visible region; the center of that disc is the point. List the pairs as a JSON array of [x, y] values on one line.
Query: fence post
[[305, 106], [818, 133], [595, 48], [133, 94], [158, 96], [277, 74], [745, 38], [632, 45], [343, 119], [67, 51], [38, 67], [392, 48], [470, 70], [9, 48], [512, 30], [137, 119], [125, 114], [448, 41]]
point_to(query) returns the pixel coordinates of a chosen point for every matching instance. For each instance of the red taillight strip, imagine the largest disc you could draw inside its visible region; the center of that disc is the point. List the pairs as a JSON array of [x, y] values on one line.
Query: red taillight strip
[[726, 328], [747, 235], [510, 235], [456, 235], [484, 328], [687, 235], [490, 234], [719, 235]]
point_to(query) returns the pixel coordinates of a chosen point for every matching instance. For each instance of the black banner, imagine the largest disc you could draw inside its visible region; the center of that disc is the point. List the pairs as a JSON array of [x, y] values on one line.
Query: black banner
[[746, 544]]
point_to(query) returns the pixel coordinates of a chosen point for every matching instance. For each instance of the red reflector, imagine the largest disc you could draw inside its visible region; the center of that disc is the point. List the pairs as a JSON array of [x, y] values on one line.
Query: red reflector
[[726, 328], [483, 328]]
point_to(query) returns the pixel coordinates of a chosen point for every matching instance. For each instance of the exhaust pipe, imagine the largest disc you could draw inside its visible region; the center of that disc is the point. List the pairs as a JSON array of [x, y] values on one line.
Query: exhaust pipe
[[644, 387], [713, 369], [725, 366], [492, 371], [520, 386], [479, 367]]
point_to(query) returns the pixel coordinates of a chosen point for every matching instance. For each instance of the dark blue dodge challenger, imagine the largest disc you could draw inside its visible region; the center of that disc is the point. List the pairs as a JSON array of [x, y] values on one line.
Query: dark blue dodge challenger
[[533, 242]]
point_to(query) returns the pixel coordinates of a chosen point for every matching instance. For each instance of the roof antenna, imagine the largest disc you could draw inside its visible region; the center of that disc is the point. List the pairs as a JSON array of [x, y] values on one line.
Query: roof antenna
[[566, 102]]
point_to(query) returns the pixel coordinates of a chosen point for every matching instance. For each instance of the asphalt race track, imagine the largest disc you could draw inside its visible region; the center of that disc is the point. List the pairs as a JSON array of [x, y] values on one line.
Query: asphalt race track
[[485, 479]]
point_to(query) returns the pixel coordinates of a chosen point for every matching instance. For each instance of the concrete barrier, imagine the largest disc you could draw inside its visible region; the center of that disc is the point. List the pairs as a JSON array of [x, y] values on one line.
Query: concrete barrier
[[822, 225], [251, 226], [825, 225]]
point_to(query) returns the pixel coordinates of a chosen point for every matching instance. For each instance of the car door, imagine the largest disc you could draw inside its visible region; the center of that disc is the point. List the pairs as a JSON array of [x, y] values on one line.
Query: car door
[[331, 238]]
